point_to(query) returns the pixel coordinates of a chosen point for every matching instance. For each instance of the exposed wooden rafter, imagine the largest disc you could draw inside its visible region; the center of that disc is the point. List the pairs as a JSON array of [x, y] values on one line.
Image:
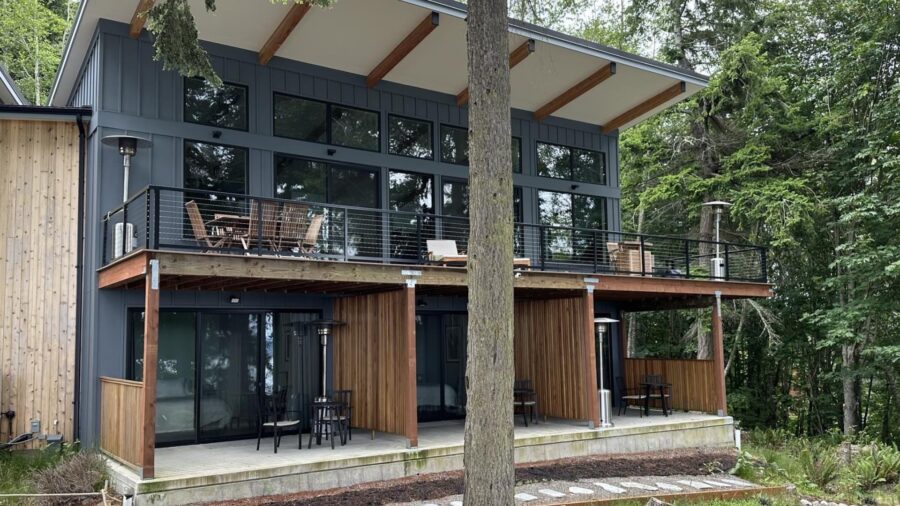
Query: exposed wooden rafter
[[645, 106], [139, 18], [283, 31], [515, 58], [403, 48], [583, 86]]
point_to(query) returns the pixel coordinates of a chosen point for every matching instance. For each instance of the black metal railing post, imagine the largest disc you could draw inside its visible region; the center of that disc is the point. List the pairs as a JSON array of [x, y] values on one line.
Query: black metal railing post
[[419, 256], [727, 262], [156, 218], [346, 247], [147, 227], [105, 239], [126, 237], [541, 245], [641, 253], [259, 224], [763, 268], [594, 246], [687, 258]]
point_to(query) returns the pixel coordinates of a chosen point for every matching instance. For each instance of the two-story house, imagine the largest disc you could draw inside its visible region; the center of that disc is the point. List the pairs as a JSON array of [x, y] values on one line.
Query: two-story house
[[230, 228]]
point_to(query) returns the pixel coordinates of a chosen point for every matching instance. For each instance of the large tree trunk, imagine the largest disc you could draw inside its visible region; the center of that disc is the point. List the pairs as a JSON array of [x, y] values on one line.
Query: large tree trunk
[[850, 358], [489, 456]]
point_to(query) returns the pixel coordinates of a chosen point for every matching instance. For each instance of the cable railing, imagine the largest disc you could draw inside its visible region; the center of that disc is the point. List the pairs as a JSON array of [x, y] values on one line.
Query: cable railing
[[165, 218]]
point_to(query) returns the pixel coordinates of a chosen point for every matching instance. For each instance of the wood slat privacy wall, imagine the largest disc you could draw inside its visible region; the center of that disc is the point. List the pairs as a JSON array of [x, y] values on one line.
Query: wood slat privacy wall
[[549, 351], [693, 381], [121, 420], [38, 234], [371, 358]]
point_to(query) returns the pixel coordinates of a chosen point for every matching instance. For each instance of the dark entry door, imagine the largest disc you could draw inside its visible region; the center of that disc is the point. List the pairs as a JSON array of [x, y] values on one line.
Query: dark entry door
[[441, 365]]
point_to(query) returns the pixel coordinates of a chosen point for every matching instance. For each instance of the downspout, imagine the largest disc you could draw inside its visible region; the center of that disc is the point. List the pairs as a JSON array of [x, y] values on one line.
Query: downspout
[[79, 283]]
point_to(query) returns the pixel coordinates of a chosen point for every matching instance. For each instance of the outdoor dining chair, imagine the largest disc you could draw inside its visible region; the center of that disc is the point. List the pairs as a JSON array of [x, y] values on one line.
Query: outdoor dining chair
[[263, 224], [311, 239], [345, 397], [525, 400], [203, 238], [328, 422], [656, 389], [273, 415], [629, 394], [293, 219]]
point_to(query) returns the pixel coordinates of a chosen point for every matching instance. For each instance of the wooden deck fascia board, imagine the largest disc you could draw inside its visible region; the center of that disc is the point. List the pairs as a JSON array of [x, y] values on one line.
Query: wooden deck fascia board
[[129, 270]]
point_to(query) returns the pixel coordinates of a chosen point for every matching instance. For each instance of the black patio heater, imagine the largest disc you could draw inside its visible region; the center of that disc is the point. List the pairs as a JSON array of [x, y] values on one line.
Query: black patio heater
[[323, 329]]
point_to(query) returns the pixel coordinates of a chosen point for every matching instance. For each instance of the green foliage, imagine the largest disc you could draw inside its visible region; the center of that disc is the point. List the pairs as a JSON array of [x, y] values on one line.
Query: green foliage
[[820, 464], [18, 467], [32, 33]]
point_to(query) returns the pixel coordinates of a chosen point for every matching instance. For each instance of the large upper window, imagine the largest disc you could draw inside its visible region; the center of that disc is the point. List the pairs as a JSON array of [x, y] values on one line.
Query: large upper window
[[410, 137], [224, 107], [299, 118], [315, 181], [315, 121], [455, 196], [570, 163], [411, 192], [454, 145]]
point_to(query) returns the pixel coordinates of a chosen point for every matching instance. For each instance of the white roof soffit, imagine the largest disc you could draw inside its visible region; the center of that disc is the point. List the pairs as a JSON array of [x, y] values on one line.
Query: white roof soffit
[[9, 92], [356, 35]]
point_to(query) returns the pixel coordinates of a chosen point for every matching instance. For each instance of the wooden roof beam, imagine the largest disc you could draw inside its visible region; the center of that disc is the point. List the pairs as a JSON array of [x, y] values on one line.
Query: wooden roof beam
[[403, 48], [645, 106], [515, 58], [283, 31], [583, 86], [139, 18]]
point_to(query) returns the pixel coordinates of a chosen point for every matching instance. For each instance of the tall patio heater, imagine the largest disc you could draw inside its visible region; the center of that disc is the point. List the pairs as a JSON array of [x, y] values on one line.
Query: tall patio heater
[[717, 264], [323, 329], [602, 325], [127, 145]]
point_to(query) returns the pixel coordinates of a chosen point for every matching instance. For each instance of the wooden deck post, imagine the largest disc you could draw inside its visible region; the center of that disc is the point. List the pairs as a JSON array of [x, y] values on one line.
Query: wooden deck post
[[151, 347], [408, 372], [590, 357], [719, 356]]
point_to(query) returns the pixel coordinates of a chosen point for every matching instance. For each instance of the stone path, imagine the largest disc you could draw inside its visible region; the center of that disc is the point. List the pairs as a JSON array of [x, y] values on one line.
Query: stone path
[[556, 492]]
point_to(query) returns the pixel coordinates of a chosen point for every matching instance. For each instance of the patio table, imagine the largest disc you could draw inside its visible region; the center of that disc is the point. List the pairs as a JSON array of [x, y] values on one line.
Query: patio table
[[648, 388]]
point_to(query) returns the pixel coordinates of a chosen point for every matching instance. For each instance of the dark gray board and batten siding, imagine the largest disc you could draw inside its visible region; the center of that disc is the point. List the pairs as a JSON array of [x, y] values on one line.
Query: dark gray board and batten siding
[[130, 93]]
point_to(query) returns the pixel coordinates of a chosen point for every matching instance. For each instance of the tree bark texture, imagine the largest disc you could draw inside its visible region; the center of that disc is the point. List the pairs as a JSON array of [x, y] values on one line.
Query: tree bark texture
[[489, 455], [850, 384]]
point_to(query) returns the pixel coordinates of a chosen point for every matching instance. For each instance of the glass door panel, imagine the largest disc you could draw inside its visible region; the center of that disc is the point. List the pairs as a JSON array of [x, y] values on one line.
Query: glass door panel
[[440, 366], [454, 336], [175, 373], [291, 359], [229, 375]]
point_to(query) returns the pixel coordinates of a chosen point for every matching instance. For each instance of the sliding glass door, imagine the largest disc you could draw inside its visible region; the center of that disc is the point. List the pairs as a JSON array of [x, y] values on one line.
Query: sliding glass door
[[213, 366], [441, 365]]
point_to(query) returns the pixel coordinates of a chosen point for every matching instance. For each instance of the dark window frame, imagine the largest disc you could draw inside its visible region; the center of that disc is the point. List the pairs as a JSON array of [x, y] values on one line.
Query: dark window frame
[[411, 118], [572, 211], [184, 114], [571, 150], [441, 137], [328, 122], [328, 165], [521, 152]]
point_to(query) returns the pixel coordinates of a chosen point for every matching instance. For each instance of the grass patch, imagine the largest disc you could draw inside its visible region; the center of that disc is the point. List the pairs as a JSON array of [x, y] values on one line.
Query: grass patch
[[54, 470]]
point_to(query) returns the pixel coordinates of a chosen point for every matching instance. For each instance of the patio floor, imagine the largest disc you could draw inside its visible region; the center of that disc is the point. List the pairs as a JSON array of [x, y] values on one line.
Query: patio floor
[[235, 456]]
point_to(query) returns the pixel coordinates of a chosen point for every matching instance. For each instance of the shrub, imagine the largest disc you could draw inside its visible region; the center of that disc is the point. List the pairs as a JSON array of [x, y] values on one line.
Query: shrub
[[865, 472], [76, 473], [819, 464]]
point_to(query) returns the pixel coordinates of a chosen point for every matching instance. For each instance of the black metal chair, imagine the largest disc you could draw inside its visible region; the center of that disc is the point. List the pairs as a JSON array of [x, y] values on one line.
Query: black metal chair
[[525, 400], [272, 414], [346, 398], [328, 421], [657, 390], [629, 394]]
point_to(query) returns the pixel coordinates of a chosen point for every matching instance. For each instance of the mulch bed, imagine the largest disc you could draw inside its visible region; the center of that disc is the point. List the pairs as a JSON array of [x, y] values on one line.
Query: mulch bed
[[433, 486]]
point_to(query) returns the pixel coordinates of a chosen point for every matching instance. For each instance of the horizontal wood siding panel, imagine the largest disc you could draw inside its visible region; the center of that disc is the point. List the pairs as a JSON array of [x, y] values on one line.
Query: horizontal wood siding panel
[[121, 419], [693, 381], [369, 357], [548, 351], [38, 253]]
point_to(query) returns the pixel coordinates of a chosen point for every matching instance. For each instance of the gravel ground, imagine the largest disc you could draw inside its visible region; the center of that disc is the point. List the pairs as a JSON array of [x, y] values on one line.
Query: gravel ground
[[586, 489], [584, 472]]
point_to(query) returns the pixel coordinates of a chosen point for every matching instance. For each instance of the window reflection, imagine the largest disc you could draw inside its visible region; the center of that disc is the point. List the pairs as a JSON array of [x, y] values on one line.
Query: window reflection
[[224, 107], [409, 137], [354, 128]]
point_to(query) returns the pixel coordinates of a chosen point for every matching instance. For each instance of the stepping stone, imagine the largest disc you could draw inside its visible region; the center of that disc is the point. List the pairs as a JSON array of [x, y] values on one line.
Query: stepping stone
[[456, 503], [580, 490], [718, 484], [736, 483], [699, 485], [667, 486], [610, 488], [639, 486], [551, 493], [522, 496]]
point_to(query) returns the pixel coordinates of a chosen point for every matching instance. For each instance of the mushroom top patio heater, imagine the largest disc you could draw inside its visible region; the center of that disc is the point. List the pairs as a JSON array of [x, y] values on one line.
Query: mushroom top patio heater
[[324, 329], [717, 264], [127, 146], [602, 326]]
